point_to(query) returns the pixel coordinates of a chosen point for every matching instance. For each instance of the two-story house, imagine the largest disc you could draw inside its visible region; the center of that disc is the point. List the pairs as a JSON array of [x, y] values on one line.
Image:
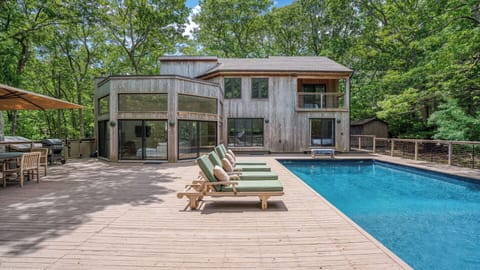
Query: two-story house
[[275, 104]]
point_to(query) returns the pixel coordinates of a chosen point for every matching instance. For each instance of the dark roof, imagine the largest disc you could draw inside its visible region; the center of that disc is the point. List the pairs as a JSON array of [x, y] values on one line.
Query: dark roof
[[188, 58], [361, 122], [279, 64]]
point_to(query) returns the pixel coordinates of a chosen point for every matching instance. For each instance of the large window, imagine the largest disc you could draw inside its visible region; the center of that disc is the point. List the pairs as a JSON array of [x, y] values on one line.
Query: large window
[[314, 97], [233, 87], [196, 138], [322, 132], [142, 103], [103, 139], [142, 139], [244, 132], [187, 103], [104, 105], [260, 88]]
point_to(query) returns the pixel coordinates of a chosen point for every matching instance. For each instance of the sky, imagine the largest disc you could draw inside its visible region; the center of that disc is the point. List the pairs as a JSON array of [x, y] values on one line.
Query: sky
[[193, 4]]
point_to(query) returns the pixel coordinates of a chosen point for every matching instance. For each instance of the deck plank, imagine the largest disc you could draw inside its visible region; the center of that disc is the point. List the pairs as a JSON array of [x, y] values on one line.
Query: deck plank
[[93, 214]]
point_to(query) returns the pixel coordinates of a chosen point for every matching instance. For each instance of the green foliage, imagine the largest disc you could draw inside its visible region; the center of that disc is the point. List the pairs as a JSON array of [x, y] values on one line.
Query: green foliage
[[140, 31], [416, 63], [232, 28], [57, 48], [452, 123]]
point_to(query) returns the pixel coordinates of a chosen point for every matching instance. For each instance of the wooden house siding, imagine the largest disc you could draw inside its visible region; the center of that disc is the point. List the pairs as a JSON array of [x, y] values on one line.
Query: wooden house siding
[[186, 68], [286, 123], [285, 130], [171, 85]]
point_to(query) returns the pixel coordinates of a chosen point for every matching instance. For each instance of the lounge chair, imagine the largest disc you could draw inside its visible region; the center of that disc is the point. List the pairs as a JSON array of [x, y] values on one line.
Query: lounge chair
[[242, 175], [222, 151], [214, 188], [216, 160]]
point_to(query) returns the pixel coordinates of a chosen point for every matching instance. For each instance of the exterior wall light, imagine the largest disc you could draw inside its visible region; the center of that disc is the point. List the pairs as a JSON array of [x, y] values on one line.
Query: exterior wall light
[[171, 123], [266, 121], [339, 121]]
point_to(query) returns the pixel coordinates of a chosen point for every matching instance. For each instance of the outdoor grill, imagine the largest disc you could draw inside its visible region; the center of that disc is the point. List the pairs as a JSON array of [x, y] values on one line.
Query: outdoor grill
[[55, 147]]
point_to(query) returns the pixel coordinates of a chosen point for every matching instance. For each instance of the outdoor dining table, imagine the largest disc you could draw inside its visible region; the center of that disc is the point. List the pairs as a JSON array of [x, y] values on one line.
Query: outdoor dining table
[[5, 157]]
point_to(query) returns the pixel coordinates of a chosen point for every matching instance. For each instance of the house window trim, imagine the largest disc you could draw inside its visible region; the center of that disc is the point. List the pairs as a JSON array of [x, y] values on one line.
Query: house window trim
[[225, 89], [259, 92]]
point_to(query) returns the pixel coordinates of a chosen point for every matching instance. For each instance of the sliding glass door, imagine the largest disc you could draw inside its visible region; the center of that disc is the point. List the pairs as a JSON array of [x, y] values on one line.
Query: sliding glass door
[[142, 139], [322, 132], [195, 138]]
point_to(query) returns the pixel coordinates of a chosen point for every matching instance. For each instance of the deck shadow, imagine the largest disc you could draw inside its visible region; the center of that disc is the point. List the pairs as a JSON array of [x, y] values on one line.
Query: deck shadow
[[70, 196], [230, 206]]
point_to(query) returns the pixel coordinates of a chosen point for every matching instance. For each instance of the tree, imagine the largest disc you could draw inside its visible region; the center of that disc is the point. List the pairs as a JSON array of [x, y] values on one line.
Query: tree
[[143, 30], [22, 22], [452, 123], [232, 28]]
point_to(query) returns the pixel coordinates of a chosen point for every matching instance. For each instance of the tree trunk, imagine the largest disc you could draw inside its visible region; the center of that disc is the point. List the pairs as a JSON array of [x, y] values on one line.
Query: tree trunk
[[13, 119], [59, 124], [2, 126], [80, 115]]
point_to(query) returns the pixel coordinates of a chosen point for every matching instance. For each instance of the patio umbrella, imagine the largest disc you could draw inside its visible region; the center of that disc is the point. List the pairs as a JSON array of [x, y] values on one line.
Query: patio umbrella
[[12, 98]]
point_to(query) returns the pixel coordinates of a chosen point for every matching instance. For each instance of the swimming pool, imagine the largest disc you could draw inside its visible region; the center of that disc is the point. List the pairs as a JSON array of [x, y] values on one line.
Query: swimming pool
[[430, 220]]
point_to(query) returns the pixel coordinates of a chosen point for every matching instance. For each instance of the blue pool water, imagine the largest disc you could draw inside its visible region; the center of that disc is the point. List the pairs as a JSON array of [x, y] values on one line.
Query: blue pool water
[[430, 220]]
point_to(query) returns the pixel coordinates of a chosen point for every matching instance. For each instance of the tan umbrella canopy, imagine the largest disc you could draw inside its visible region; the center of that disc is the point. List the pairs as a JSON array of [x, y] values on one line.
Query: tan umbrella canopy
[[12, 98]]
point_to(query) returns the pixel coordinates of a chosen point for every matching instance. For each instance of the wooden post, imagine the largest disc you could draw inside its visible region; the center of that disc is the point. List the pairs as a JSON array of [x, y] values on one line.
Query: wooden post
[[416, 149], [450, 153], [392, 147], [347, 94], [374, 143], [359, 143]]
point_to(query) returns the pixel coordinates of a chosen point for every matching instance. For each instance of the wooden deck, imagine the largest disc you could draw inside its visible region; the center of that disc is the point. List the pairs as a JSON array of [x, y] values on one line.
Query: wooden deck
[[95, 215]]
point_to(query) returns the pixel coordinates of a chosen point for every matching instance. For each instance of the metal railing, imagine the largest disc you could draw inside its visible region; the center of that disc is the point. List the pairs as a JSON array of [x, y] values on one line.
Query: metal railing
[[455, 153], [319, 101]]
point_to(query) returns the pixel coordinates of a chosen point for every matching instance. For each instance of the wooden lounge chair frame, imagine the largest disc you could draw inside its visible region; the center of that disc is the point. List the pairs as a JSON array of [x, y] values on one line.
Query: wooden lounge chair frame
[[206, 188], [203, 187]]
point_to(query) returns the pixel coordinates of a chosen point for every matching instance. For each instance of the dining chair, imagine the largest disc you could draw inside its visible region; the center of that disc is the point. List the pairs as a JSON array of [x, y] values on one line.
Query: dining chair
[[43, 157], [29, 164]]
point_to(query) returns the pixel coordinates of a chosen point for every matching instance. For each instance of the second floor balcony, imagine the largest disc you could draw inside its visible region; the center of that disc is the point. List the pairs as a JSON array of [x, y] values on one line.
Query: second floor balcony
[[329, 101]]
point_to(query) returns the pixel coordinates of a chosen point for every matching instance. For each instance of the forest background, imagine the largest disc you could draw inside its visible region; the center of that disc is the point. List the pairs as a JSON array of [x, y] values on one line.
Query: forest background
[[416, 63]]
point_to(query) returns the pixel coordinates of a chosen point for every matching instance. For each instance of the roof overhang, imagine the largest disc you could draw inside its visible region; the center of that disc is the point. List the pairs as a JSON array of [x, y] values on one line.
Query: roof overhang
[[270, 73]]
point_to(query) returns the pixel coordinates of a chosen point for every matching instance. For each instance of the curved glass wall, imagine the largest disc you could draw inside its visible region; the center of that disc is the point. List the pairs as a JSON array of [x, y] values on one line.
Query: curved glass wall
[[196, 138], [143, 139], [142, 102], [187, 103]]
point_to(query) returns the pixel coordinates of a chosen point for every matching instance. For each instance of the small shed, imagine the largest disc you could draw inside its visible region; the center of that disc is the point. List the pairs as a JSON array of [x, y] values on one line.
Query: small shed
[[370, 126]]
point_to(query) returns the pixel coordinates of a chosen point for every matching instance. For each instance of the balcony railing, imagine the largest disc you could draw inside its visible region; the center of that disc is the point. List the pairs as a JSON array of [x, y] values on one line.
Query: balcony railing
[[320, 101]]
